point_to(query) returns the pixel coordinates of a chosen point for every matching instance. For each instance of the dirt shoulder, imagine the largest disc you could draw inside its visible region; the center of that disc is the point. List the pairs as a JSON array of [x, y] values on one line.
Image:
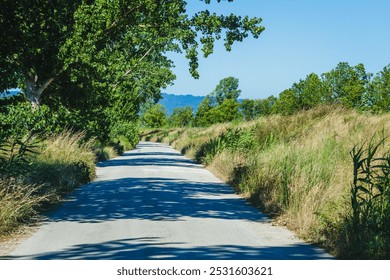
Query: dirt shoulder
[[9, 242]]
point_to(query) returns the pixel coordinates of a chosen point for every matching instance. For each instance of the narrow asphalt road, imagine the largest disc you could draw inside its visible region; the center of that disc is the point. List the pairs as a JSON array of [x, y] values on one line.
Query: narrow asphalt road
[[153, 203]]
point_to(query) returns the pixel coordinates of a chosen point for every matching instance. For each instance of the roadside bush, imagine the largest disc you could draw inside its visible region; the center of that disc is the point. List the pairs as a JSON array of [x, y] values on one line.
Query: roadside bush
[[20, 120], [65, 162], [233, 139], [125, 134], [104, 152]]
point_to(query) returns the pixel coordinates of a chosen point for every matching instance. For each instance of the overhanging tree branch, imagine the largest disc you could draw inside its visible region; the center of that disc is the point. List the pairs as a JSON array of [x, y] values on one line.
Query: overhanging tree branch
[[135, 65]]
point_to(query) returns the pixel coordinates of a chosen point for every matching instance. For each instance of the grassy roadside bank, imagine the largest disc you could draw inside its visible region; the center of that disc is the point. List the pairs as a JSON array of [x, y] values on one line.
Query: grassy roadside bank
[[302, 170], [36, 173]]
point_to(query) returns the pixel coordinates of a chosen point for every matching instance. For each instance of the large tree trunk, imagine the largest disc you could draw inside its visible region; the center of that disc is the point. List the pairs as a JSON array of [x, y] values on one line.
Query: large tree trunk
[[34, 90]]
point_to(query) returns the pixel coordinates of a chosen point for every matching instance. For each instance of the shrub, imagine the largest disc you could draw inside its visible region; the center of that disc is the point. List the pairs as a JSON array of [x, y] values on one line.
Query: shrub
[[232, 139], [20, 120], [104, 152], [125, 134], [65, 162]]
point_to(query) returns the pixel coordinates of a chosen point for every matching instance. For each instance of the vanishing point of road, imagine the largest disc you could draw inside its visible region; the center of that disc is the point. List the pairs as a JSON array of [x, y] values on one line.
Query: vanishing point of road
[[153, 203]]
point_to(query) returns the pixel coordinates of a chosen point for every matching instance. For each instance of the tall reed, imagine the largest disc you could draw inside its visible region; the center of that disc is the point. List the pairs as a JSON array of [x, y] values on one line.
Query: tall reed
[[368, 226]]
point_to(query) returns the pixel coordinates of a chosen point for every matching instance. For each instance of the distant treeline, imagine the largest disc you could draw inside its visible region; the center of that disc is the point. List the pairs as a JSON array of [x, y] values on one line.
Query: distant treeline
[[348, 86]]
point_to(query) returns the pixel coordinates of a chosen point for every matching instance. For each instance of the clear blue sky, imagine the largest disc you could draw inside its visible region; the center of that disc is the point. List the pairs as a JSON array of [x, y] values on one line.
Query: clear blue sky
[[301, 37]]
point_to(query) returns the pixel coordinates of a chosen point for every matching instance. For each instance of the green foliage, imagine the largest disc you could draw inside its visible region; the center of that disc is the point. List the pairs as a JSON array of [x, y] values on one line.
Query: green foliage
[[37, 31], [288, 103], [220, 105], [126, 133], [350, 86], [263, 107], [103, 61], [347, 84], [254, 108], [233, 140], [201, 117], [225, 112], [378, 93], [21, 120], [18, 121], [227, 88], [155, 116], [304, 95], [181, 117], [311, 92], [247, 107]]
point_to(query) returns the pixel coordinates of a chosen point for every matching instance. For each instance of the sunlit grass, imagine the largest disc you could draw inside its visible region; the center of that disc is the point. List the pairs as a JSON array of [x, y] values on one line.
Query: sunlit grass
[[61, 163], [296, 168]]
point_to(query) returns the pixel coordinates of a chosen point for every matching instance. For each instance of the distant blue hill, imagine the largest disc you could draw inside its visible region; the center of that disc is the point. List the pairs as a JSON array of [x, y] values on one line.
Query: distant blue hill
[[172, 101], [9, 92]]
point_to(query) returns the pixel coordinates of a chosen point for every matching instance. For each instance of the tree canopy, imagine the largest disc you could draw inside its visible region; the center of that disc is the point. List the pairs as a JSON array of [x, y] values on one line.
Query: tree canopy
[[118, 44], [103, 59], [181, 117], [227, 88], [347, 84], [378, 93], [154, 116], [221, 104]]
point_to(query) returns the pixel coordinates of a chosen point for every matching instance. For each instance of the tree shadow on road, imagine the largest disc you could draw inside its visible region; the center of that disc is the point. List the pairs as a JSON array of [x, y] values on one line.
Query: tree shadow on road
[[151, 248], [166, 158], [153, 199], [161, 199], [150, 161]]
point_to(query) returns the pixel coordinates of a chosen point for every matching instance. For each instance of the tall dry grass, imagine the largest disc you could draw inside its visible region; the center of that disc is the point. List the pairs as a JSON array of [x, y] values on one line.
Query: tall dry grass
[[298, 168], [18, 203], [59, 164], [65, 162], [68, 147]]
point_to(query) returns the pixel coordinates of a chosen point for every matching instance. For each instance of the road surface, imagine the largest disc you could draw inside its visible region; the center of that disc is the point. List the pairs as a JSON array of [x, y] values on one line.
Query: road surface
[[153, 203]]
